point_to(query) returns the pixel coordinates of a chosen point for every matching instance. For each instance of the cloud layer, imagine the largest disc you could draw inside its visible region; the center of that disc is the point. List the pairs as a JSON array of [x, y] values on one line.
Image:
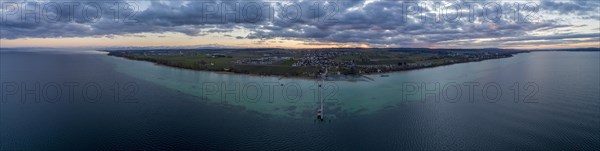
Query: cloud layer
[[376, 23]]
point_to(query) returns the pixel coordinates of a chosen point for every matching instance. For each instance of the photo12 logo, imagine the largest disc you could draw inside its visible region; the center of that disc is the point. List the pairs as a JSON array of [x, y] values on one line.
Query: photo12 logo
[[269, 92], [69, 11], [469, 92], [470, 12], [68, 92]]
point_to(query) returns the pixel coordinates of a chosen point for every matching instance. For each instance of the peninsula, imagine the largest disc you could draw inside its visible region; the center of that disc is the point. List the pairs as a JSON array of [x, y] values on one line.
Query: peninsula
[[309, 63]]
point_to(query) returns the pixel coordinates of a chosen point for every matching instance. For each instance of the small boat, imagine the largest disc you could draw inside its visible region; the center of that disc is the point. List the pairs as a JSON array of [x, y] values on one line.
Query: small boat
[[385, 75]]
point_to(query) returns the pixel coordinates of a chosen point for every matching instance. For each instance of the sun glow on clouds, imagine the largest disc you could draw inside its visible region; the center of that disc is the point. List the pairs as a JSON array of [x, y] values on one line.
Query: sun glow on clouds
[[168, 40]]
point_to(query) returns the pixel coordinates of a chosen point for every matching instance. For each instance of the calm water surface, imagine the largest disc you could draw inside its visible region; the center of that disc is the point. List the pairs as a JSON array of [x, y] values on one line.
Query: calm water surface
[[87, 100]]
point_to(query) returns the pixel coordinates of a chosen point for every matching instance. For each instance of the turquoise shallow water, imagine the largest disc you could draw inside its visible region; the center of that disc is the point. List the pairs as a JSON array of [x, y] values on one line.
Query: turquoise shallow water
[[540, 100], [441, 84]]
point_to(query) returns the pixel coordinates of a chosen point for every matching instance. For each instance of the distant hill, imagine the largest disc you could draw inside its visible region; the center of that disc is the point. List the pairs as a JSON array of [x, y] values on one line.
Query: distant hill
[[574, 49]]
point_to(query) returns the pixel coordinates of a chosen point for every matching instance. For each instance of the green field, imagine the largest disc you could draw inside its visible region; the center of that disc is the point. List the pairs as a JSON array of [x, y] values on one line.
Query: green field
[[270, 62]]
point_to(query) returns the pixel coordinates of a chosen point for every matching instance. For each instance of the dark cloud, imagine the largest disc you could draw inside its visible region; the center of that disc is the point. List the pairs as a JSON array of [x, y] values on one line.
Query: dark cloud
[[579, 7], [382, 22]]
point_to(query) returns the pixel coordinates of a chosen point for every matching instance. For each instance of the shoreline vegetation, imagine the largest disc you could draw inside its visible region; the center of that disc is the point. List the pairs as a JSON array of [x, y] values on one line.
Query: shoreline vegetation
[[341, 63]]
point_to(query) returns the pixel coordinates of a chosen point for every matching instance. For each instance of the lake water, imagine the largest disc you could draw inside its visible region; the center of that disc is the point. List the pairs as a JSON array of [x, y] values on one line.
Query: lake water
[[88, 100]]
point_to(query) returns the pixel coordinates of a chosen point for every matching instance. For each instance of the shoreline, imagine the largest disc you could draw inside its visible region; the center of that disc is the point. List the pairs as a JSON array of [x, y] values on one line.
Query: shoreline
[[342, 77]]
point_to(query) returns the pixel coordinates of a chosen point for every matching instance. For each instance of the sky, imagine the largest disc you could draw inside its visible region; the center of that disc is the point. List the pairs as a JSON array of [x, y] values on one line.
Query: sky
[[511, 24]]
